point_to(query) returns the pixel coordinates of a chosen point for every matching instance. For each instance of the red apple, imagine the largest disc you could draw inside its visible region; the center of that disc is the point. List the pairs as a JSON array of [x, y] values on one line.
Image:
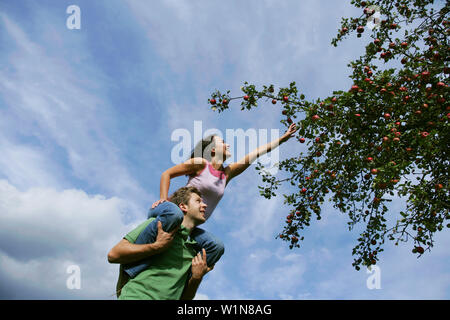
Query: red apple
[[419, 250], [425, 74], [274, 101], [212, 101], [302, 140], [245, 97], [374, 171], [285, 99], [315, 117], [354, 88]]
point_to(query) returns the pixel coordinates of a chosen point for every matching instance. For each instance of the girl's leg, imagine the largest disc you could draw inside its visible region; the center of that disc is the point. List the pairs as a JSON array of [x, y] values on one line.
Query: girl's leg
[[213, 246], [170, 216]]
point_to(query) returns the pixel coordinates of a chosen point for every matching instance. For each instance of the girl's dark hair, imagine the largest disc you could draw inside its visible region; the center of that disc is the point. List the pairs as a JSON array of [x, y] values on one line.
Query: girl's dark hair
[[203, 148]]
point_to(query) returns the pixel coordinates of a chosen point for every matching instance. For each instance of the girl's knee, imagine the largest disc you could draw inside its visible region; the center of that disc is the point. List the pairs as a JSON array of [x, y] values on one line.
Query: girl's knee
[[168, 210]]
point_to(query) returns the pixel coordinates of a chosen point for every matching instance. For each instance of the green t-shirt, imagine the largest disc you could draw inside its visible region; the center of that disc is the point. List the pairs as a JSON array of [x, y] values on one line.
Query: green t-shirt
[[166, 277]]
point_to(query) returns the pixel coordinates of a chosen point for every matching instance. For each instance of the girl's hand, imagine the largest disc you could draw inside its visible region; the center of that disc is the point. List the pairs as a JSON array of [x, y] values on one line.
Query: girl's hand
[[289, 133], [158, 202]]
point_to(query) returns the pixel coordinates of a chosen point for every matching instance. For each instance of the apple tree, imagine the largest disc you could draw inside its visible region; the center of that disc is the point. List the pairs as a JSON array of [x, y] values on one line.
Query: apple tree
[[387, 135]]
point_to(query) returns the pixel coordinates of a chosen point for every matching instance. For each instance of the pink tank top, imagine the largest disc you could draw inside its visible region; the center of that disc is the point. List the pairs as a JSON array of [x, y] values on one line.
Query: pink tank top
[[211, 183]]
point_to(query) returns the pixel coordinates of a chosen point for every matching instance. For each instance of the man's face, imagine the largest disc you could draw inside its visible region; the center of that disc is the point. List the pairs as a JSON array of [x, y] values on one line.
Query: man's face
[[196, 208]]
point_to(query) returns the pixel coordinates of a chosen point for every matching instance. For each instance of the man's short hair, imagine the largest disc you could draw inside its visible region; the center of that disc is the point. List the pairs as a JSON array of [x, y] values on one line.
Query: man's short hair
[[183, 195]]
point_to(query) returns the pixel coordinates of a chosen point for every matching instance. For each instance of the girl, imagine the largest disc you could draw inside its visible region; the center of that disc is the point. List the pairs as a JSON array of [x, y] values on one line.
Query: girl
[[210, 177]]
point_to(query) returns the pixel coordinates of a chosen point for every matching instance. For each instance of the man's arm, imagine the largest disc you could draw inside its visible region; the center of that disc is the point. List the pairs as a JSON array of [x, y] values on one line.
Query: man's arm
[[127, 252], [199, 269]]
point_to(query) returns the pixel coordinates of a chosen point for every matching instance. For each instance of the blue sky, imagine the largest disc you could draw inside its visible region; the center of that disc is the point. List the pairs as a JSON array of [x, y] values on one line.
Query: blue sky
[[86, 118]]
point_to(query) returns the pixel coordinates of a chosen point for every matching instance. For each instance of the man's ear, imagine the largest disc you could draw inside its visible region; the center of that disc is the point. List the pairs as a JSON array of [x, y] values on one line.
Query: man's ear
[[183, 207]]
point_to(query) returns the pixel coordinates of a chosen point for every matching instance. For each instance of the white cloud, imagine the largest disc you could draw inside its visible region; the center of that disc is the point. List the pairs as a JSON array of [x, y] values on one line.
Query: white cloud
[[25, 165], [44, 231], [58, 99]]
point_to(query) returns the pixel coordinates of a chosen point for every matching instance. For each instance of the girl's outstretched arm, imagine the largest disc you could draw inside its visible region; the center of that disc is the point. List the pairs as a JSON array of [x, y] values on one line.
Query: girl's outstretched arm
[[236, 168]]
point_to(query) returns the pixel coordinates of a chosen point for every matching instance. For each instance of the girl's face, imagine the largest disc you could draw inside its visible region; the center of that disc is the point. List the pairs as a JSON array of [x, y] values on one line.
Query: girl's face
[[221, 147]]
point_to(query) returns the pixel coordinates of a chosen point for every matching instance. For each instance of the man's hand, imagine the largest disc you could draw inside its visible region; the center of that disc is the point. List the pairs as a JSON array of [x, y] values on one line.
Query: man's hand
[[126, 252], [164, 239], [199, 266], [199, 269]]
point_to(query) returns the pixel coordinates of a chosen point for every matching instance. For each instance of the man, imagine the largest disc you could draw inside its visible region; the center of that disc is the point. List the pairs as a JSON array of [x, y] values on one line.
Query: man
[[173, 255]]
